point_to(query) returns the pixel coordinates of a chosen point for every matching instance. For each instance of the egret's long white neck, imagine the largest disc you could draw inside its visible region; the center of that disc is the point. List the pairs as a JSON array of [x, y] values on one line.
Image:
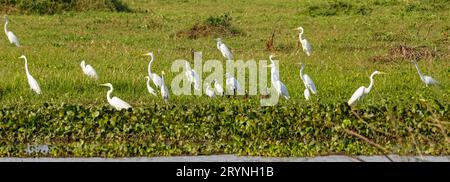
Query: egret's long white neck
[[6, 25], [418, 70], [83, 66], [300, 35], [371, 82], [108, 94], [26, 66], [301, 71], [150, 65], [273, 67]]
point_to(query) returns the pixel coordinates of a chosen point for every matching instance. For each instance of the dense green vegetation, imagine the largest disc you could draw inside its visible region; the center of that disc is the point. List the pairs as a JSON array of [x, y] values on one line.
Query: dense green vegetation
[[238, 128], [350, 40]]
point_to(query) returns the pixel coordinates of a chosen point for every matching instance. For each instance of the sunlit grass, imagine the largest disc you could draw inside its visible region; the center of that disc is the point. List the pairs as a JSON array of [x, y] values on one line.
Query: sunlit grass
[[113, 44]]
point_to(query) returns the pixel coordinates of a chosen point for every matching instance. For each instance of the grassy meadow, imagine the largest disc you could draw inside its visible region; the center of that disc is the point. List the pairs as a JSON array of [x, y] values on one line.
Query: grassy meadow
[[350, 40]]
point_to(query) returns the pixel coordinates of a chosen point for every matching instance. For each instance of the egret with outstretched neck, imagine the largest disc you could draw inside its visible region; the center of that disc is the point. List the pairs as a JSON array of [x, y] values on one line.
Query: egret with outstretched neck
[[279, 86], [305, 43], [362, 91], [428, 80], [153, 76], [31, 81], [11, 37], [275, 75], [116, 102]]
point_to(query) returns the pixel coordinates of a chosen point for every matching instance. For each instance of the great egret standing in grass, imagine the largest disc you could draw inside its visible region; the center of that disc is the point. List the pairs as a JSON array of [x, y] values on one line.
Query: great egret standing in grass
[[224, 49], [116, 102], [232, 83], [164, 89], [11, 37], [426, 79], [305, 44], [275, 75], [362, 91], [149, 87], [31, 81], [153, 76], [209, 92], [279, 86], [88, 70], [218, 88], [192, 76], [307, 81]]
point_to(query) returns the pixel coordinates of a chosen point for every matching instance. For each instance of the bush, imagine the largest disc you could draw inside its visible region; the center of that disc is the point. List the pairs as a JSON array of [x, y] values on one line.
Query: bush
[[216, 26], [59, 6], [225, 128]]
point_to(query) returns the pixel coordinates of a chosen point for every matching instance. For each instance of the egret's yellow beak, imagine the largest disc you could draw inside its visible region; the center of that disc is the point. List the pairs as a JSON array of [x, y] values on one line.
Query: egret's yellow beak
[[383, 73], [103, 84]]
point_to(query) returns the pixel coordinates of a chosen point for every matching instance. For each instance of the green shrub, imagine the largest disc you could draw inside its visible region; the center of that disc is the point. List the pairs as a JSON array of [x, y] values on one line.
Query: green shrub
[[219, 21], [215, 26]]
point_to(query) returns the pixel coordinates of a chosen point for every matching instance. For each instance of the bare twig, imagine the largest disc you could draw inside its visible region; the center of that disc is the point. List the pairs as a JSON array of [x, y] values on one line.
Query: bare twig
[[373, 128], [385, 151], [415, 143], [366, 140]]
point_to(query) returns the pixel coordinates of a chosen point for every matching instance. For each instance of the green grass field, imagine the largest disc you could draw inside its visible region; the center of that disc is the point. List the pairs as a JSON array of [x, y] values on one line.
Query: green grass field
[[347, 37]]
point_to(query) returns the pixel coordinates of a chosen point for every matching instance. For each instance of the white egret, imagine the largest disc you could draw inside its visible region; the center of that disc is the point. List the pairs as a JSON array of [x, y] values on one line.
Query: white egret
[[361, 91], [275, 75], [193, 77], [218, 88], [149, 88], [88, 70], [164, 89], [153, 76], [232, 83], [305, 44], [224, 49], [11, 37], [307, 81], [426, 79], [279, 86], [116, 102], [31, 81], [209, 92]]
